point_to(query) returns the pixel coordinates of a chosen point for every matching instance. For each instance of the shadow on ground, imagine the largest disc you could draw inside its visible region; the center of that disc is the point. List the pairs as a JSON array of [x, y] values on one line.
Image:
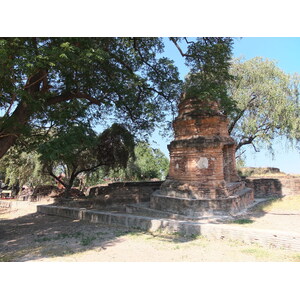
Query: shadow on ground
[[36, 236]]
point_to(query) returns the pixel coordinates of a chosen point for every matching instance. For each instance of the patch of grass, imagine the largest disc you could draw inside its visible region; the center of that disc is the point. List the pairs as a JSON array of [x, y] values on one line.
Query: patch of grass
[[200, 241], [258, 252], [194, 236], [86, 241], [59, 236], [118, 233], [287, 203], [16, 255], [271, 254], [43, 239], [135, 233], [234, 243], [296, 257], [6, 258], [242, 221], [77, 234]]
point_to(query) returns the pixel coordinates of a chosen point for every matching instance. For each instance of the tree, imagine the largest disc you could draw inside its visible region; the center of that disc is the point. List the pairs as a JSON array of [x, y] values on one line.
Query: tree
[[79, 150], [209, 71], [149, 163], [56, 82], [267, 103], [22, 169]]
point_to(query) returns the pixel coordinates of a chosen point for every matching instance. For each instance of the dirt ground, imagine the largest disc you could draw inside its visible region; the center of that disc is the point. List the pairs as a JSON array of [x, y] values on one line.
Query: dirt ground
[[26, 236]]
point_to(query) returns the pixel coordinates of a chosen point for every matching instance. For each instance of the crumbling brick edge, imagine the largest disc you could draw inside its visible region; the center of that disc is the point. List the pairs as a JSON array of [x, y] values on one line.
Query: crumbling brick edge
[[269, 238]]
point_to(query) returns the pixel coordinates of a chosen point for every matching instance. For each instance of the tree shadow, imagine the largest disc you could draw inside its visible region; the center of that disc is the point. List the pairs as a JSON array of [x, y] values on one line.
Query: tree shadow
[[36, 236]]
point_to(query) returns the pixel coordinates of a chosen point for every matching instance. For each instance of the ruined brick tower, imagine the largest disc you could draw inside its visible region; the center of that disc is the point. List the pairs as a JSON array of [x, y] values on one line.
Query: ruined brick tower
[[202, 178]]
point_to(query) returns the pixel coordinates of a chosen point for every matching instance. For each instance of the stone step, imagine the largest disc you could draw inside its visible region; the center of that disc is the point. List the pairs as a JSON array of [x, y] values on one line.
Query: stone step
[[144, 209], [274, 238]]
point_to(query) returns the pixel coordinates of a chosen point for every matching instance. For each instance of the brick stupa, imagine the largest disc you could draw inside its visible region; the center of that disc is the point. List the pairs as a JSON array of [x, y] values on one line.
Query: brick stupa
[[202, 179]]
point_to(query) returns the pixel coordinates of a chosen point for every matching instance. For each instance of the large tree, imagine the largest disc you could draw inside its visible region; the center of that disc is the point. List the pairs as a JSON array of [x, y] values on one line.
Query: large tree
[[148, 163], [267, 103], [80, 150], [22, 168], [47, 82]]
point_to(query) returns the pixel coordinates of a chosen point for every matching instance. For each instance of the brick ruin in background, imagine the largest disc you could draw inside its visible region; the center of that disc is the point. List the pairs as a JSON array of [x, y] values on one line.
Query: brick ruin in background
[[202, 178]]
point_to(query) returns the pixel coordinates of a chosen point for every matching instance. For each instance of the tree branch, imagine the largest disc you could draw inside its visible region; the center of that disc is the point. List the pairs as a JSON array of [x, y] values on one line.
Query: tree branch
[[72, 95], [178, 47], [246, 142], [237, 118], [30, 84], [238, 156], [89, 169], [13, 98], [231, 127], [56, 178]]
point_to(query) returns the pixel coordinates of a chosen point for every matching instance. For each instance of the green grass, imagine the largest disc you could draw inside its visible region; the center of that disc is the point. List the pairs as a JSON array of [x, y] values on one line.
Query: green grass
[[86, 241], [58, 236], [296, 258], [242, 221], [287, 203], [257, 252]]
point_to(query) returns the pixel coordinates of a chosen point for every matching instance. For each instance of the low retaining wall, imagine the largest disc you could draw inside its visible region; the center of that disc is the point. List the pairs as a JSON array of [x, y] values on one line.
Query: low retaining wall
[[274, 187], [290, 186], [136, 192], [124, 192], [268, 238], [265, 187]]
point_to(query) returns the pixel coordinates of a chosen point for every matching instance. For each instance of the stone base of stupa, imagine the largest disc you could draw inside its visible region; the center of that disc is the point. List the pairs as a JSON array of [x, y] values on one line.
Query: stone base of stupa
[[195, 200]]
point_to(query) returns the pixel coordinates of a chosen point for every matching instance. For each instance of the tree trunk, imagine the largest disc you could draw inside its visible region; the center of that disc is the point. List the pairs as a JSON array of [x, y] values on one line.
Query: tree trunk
[[12, 128], [69, 185]]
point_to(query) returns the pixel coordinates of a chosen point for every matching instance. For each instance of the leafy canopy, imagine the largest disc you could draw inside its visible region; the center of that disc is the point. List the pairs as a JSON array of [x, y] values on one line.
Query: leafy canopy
[[80, 150], [22, 168], [148, 163], [209, 75], [57, 82], [267, 101]]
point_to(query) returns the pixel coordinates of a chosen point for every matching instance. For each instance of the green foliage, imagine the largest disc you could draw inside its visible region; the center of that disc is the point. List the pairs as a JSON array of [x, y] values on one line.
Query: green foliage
[[62, 81], [115, 147], [147, 163], [23, 169], [72, 147], [79, 150], [209, 59], [48, 82], [243, 221], [150, 163], [267, 103]]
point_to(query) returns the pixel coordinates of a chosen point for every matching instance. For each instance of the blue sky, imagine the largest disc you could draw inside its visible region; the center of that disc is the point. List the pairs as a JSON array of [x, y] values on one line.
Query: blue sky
[[286, 52]]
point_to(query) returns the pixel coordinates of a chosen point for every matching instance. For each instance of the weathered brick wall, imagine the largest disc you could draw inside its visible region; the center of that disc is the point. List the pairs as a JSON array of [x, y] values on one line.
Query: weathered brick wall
[[124, 192], [274, 187], [290, 186]]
